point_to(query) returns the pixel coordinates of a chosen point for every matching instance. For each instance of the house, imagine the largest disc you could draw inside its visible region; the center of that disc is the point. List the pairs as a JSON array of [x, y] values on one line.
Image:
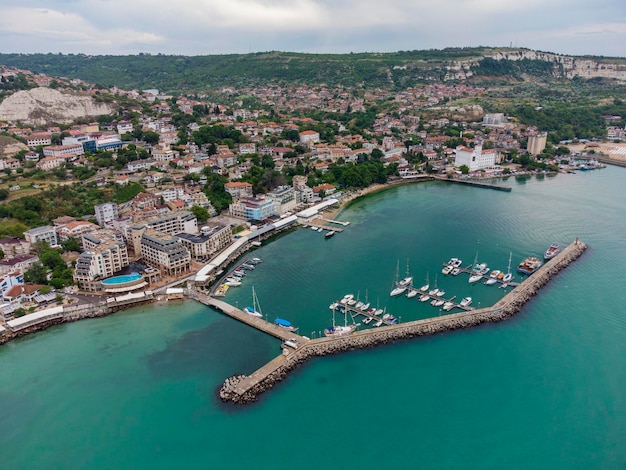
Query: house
[[19, 264], [22, 293], [13, 246], [238, 189], [309, 137]]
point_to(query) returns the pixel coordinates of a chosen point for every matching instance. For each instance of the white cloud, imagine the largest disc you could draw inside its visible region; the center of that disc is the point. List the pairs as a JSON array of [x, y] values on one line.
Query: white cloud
[[225, 26], [52, 28]]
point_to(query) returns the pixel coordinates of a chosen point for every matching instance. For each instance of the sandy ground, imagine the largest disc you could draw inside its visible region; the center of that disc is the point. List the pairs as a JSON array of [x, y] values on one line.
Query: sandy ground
[[610, 149]]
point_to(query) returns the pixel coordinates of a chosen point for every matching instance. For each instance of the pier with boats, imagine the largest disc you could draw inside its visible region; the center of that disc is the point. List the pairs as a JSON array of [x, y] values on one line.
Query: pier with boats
[[298, 349]]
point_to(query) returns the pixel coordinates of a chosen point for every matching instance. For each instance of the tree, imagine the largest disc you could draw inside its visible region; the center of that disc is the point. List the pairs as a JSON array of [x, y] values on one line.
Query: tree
[[36, 274], [71, 244], [377, 154], [464, 169], [150, 137], [201, 213], [4, 193]]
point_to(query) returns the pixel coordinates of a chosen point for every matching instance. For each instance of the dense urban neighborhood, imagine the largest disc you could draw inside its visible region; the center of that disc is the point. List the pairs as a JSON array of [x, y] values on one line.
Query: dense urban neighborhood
[[159, 184]]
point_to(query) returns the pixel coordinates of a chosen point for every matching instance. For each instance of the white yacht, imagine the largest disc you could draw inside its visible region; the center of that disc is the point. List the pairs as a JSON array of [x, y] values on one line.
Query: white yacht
[[466, 302]]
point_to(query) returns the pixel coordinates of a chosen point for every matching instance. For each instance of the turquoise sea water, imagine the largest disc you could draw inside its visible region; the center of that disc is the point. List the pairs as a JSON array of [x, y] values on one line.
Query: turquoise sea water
[[544, 389]]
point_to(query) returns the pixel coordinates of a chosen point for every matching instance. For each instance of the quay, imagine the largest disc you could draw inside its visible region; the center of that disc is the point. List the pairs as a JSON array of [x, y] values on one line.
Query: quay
[[245, 389], [474, 183]]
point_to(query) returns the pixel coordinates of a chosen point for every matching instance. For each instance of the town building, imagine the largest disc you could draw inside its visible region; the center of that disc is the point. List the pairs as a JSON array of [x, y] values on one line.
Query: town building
[[209, 241], [75, 229], [105, 254], [165, 253], [13, 246], [251, 208], [17, 264], [106, 213], [284, 197], [238, 189], [476, 158], [46, 234], [63, 150], [537, 143]]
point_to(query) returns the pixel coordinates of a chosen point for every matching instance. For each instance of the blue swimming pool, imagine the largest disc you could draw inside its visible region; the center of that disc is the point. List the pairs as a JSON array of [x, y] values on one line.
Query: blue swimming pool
[[122, 279]]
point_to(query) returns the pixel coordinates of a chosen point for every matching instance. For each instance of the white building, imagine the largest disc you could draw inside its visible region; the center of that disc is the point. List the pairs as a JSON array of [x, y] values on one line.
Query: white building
[[106, 212], [476, 158], [46, 234]]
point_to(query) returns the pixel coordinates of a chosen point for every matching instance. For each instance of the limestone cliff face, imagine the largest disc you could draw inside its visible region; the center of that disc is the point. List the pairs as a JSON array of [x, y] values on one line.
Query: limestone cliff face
[[44, 106], [566, 66], [9, 146]]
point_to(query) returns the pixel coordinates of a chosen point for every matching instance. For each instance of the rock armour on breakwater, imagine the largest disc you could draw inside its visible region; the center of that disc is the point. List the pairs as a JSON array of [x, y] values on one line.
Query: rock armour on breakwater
[[503, 309]]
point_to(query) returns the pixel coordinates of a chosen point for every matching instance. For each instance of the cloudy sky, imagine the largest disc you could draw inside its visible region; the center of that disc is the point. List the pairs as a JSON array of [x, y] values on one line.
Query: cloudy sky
[[197, 27]]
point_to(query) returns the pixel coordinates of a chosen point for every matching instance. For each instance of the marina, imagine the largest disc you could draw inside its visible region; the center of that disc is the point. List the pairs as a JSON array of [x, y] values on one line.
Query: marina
[[243, 389]]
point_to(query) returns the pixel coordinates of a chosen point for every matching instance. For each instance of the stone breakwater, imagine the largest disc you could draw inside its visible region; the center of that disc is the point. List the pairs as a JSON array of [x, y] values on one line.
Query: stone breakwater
[[245, 389]]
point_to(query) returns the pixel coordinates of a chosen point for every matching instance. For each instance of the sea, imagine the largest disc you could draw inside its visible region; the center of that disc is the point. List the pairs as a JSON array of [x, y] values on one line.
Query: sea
[[544, 389]]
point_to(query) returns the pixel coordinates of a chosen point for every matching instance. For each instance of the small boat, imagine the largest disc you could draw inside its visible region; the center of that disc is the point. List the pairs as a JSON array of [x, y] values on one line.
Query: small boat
[[426, 286], [406, 281], [378, 323], [313, 228], [364, 307], [439, 302], [232, 282], [434, 291], [368, 320], [456, 272], [412, 293], [456, 262], [358, 305], [493, 277], [508, 277], [424, 297], [285, 324], [440, 293], [247, 266], [475, 277], [255, 310], [378, 311], [329, 234], [340, 330], [256, 260], [448, 306], [447, 269], [552, 251], [321, 229], [466, 302], [398, 290], [221, 290], [392, 319], [529, 265], [386, 316]]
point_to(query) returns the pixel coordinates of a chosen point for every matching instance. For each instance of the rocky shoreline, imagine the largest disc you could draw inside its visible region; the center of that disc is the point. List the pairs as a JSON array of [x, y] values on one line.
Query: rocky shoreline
[[510, 305]]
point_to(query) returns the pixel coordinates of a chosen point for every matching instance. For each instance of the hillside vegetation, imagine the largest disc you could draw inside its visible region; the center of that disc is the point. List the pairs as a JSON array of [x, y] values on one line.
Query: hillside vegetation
[[180, 73]]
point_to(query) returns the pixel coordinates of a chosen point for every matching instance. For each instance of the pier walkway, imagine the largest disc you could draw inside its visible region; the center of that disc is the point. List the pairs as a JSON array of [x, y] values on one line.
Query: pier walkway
[[255, 322], [478, 184]]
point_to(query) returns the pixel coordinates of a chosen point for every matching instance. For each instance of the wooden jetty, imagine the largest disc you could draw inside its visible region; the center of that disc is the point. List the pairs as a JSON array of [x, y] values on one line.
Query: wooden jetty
[[244, 389]]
